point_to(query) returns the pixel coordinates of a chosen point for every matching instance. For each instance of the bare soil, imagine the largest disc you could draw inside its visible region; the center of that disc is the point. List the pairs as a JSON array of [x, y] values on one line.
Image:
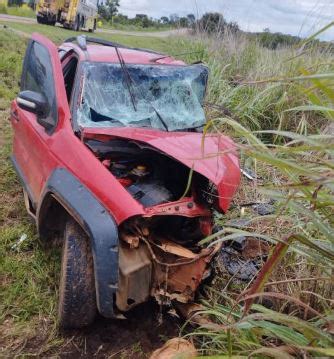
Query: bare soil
[[135, 337]]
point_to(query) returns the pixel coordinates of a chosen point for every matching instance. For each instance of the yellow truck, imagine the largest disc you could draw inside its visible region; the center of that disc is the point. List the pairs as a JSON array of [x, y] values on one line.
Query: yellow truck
[[73, 14]]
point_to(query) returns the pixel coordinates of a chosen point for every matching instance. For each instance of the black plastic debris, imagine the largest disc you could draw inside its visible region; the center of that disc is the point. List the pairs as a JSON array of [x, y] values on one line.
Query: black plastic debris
[[264, 209], [241, 259]]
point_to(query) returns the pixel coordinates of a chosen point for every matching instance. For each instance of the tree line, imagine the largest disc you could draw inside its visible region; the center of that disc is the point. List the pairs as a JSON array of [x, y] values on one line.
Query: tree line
[[212, 23]]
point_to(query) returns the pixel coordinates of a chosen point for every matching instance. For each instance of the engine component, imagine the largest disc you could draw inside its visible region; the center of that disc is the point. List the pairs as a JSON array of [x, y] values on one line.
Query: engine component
[[152, 264], [135, 276], [140, 171], [149, 193]]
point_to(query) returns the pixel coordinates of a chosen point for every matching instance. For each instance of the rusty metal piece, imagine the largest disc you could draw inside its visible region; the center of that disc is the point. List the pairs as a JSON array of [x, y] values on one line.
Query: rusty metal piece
[[176, 278], [151, 264], [174, 248]]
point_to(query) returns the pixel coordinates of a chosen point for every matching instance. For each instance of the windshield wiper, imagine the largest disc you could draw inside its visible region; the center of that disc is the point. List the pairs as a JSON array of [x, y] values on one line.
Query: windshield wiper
[[127, 77], [129, 82]]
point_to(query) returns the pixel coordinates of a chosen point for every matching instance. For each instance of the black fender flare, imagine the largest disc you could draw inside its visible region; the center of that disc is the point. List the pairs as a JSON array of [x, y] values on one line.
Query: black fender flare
[[100, 226]]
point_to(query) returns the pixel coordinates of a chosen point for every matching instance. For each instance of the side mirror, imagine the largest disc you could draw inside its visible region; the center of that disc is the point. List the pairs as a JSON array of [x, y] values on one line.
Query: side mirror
[[33, 102], [36, 102]]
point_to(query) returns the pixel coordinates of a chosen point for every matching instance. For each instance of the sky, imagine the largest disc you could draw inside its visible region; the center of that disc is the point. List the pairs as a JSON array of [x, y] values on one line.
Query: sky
[[295, 17]]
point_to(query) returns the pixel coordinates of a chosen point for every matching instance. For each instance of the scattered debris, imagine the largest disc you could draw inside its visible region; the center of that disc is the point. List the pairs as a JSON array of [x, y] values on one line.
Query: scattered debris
[[17, 245], [175, 348], [264, 209], [238, 222], [248, 174], [243, 257]]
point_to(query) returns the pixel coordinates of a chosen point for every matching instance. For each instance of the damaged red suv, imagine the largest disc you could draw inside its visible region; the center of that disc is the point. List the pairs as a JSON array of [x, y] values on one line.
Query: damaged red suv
[[109, 147]]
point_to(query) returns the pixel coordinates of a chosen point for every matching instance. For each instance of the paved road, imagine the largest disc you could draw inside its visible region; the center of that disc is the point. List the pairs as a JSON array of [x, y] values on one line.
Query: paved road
[[160, 34]]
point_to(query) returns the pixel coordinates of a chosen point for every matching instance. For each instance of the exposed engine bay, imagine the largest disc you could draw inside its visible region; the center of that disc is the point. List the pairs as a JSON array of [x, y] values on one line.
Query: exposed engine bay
[[159, 255]]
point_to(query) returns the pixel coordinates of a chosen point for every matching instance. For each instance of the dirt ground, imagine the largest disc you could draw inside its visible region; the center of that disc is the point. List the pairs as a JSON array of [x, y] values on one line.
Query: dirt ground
[[135, 337]]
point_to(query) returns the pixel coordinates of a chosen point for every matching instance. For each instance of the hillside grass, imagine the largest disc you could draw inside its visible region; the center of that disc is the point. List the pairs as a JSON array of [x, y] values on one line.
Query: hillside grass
[[256, 89]]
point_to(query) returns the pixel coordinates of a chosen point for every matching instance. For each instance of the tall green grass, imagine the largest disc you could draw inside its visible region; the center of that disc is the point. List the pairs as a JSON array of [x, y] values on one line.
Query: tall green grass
[[283, 113], [238, 62]]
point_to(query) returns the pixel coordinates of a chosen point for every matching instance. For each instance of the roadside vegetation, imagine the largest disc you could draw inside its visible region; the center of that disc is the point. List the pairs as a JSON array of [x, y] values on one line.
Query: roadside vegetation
[[15, 10], [278, 105]]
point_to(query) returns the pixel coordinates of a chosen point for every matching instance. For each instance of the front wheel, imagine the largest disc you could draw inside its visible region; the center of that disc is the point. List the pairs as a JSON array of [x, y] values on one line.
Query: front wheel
[[77, 298]]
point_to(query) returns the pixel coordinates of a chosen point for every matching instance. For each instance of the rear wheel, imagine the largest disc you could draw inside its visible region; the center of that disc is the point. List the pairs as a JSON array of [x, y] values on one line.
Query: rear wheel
[[77, 299]]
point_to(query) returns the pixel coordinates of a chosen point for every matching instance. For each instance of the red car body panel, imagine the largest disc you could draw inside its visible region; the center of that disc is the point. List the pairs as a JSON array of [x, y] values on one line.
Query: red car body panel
[[98, 53]]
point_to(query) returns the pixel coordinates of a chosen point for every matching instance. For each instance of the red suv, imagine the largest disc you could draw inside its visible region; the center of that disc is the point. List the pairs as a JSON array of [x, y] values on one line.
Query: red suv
[[109, 147]]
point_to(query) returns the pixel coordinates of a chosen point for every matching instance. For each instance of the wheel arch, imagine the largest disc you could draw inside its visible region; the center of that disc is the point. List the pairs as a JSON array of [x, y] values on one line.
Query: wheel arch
[[64, 195]]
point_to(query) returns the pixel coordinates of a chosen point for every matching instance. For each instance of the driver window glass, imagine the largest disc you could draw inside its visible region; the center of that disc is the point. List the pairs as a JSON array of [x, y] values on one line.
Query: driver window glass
[[38, 76]]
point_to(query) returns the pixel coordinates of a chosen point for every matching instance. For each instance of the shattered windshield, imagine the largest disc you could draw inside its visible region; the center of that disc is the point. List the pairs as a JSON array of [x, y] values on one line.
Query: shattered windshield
[[160, 97]]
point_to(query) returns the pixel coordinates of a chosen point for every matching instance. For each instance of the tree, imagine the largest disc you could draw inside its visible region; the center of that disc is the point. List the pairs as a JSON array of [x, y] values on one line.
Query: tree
[[109, 10], [212, 22], [233, 27], [174, 18], [191, 19], [15, 2], [164, 20], [183, 22]]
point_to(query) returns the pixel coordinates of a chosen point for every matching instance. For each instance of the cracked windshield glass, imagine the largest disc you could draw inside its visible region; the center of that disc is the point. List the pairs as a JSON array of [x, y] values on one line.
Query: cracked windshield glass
[[161, 97]]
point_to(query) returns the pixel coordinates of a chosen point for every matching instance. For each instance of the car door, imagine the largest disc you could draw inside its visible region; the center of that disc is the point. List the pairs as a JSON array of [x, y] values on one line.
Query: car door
[[34, 134]]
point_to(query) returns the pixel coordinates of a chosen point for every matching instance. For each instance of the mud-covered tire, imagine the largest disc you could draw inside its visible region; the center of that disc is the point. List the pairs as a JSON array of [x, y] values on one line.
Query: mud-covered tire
[[77, 298]]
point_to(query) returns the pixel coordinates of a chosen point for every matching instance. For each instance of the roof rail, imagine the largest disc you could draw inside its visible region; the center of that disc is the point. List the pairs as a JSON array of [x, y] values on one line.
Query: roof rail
[[82, 41]]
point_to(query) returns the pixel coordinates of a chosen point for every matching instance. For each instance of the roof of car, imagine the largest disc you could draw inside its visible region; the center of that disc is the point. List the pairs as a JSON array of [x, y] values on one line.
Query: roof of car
[[101, 53]]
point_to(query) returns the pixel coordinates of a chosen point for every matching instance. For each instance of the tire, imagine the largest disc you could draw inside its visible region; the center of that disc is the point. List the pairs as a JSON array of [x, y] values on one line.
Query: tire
[[77, 298], [77, 23]]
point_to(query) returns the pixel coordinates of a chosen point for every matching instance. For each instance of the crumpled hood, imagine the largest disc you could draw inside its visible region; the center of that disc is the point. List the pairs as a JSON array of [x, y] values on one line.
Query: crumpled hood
[[192, 150]]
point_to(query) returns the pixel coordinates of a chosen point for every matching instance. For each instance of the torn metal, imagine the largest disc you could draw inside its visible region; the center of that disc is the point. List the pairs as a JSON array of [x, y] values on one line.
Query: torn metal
[[159, 254], [154, 264]]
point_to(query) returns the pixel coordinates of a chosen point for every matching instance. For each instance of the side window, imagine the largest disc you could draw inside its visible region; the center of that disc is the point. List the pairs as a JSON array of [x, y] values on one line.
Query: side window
[[37, 76]]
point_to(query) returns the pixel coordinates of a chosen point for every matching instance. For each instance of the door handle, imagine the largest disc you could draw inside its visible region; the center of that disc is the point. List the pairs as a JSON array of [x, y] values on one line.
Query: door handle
[[14, 114]]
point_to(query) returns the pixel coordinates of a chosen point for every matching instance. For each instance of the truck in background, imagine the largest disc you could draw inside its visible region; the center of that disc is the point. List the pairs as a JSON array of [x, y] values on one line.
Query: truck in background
[[72, 14]]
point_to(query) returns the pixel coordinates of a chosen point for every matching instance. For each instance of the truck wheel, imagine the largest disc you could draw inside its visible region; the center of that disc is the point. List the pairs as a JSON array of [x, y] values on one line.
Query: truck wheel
[[77, 299], [77, 23]]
